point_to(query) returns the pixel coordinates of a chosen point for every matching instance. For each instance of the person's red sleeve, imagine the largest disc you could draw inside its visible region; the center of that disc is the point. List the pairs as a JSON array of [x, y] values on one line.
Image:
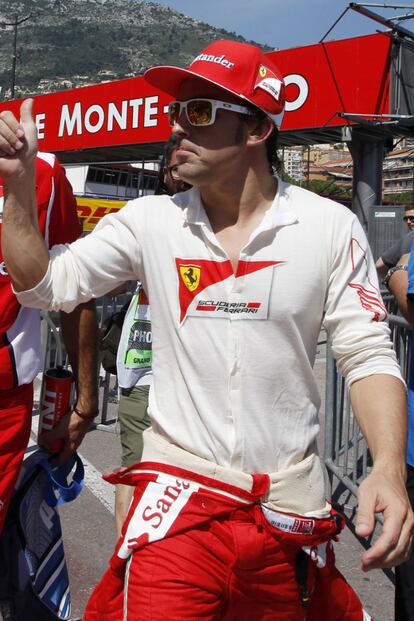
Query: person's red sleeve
[[64, 222]]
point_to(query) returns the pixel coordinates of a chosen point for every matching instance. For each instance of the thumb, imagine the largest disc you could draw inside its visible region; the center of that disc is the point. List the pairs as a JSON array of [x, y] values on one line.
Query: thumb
[[26, 111], [365, 517]]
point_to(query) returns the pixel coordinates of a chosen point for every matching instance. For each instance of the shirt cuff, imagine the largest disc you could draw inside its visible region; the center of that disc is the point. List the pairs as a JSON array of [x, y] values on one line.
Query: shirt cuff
[[39, 296]]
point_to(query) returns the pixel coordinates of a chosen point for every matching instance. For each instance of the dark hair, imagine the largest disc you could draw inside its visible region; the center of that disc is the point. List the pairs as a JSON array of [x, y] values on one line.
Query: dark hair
[[275, 165], [169, 149]]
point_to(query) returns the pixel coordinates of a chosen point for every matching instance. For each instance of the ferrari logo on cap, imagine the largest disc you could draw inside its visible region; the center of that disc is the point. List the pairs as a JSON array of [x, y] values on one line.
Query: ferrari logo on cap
[[269, 82], [190, 275]]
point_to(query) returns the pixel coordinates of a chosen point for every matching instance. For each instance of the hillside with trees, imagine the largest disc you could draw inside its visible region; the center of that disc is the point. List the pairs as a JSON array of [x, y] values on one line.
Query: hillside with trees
[[69, 43]]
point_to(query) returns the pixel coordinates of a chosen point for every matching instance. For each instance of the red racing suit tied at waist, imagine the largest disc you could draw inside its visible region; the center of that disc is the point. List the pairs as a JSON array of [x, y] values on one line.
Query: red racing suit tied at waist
[[170, 500]]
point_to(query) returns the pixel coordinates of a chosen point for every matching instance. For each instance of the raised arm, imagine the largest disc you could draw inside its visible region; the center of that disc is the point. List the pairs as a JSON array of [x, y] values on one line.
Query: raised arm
[[24, 250]]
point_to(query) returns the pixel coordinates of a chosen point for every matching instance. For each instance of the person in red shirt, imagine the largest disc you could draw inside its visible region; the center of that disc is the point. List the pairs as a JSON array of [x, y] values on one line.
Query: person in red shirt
[[20, 352]]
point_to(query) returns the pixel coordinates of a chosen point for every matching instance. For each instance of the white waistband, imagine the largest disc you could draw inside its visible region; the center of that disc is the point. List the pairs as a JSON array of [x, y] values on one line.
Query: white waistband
[[298, 489]]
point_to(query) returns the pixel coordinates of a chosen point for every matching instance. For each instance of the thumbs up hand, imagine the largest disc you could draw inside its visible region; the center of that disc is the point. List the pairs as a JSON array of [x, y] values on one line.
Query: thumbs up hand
[[18, 141]]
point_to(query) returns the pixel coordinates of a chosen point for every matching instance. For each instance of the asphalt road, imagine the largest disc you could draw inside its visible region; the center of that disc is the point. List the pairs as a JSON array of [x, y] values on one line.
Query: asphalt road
[[89, 530]]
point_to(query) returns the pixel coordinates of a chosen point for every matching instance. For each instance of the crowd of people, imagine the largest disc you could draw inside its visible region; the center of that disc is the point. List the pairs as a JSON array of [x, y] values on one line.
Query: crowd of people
[[229, 517]]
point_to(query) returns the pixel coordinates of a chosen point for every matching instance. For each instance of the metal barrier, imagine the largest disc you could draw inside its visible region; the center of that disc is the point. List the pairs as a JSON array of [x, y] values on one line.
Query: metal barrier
[[346, 453], [52, 347]]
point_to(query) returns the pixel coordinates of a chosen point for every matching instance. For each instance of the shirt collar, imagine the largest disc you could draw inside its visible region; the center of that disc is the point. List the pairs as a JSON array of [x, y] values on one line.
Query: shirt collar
[[194, 212], [281, 213]]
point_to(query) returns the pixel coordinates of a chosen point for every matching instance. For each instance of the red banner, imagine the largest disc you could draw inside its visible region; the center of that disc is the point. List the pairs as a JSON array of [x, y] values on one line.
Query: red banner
[[350, 75], [113, 113]]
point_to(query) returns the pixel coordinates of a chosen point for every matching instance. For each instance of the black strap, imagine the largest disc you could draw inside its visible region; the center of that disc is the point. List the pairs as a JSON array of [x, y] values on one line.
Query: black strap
[[301, 575]]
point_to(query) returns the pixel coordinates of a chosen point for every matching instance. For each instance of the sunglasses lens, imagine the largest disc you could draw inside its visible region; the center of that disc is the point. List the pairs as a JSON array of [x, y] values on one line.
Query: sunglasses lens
[[199, 112], [173, 112]]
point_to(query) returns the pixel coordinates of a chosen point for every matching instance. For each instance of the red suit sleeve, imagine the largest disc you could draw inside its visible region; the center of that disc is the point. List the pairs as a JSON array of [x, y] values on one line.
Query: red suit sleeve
[[64, 225]]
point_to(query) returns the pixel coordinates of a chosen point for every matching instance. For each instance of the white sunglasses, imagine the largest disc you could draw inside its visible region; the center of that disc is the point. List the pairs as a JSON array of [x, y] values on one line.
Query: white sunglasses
[[201, 111]]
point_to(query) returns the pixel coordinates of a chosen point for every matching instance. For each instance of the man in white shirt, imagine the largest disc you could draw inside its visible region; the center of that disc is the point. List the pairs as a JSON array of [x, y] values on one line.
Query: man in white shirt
[[240, 270]]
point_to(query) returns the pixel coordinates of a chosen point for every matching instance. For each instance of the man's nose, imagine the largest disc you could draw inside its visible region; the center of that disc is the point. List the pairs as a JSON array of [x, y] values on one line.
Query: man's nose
[[181, 126]]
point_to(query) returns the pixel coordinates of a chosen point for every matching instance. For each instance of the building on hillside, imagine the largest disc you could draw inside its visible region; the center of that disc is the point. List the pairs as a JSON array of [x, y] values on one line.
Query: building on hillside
[[405, 143], [338, 172], [398, 172], [327, 163], [315, 153], [324, 153], [293, 162]]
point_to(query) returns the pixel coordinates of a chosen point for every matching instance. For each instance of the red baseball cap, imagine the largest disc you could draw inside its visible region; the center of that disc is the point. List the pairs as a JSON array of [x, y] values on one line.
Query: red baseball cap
[[239, 68]]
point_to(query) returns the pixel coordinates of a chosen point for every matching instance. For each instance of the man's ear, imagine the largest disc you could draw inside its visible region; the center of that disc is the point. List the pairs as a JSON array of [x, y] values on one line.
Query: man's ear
[[259, 130]]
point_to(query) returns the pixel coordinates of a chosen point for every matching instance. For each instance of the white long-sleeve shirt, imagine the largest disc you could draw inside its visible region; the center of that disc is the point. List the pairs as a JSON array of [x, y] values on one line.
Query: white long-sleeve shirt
[[233, 353]]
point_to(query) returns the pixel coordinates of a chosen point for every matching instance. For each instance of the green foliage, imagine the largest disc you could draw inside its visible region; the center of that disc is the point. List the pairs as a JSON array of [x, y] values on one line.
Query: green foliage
[[403, 197], [323, 188], [326, 188], [289, 179]]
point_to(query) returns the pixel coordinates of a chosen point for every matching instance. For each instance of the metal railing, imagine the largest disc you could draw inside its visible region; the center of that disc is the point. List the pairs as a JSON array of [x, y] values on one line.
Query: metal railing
[[346, 453]]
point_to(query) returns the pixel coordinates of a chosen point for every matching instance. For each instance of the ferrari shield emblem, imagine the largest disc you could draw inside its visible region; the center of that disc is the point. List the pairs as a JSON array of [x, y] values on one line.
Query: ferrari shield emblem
[[190, 275]]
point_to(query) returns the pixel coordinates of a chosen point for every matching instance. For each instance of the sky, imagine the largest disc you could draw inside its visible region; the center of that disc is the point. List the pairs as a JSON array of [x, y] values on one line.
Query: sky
[[283, 23]]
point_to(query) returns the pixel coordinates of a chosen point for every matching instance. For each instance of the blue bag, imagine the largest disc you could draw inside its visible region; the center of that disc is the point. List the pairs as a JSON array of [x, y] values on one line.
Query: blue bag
[[33, 573]]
